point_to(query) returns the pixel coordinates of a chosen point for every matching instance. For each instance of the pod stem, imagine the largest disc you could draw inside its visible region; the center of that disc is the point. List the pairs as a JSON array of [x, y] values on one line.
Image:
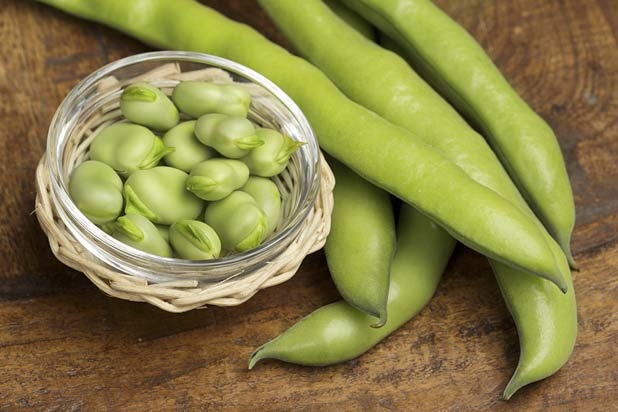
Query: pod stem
[[138, 93]]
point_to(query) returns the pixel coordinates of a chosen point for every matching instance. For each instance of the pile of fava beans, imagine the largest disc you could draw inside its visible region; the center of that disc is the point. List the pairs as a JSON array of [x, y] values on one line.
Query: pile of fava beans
[[200, 191]]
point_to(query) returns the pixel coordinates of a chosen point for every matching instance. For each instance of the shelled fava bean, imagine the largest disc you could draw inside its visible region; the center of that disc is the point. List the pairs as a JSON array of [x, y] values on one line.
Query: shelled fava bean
[[201, 190]]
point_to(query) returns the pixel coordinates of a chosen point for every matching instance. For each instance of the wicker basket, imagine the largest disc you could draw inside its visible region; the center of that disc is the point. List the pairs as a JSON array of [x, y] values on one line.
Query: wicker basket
[[183, 294]]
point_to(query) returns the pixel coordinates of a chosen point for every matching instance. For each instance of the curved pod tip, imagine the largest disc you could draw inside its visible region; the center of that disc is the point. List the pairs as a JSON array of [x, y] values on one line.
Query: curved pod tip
[[513, 386], [257, 356], [382, 319]]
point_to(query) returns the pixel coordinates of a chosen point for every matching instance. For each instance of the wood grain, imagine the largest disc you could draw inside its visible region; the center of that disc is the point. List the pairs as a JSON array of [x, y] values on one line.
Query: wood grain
[[66, 347]]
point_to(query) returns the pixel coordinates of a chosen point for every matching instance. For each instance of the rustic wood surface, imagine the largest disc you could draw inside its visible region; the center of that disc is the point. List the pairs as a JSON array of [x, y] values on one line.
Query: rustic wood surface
[[64, 346]]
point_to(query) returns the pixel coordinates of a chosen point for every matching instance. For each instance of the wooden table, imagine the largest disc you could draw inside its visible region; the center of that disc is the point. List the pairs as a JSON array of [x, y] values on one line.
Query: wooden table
[[64, 346]]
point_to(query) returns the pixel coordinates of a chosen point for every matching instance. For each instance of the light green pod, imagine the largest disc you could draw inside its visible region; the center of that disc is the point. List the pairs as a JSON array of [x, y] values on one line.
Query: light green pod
[[361, 243], [456, 65], [188, 151], [96, 190], [272, 157], [215, 179], [268, 198], [160, 195], [199, 98], [339, 332], [128, 147], [140, 233], [238, 221], [192, 239], [352, 18], [232, 136], [147, 105]]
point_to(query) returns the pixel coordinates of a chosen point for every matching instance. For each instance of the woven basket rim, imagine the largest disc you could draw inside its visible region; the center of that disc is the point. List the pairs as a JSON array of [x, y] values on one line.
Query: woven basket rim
[[184, 294]]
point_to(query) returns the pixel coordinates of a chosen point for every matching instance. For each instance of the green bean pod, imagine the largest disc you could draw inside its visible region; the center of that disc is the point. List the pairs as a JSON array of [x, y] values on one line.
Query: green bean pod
[[192, 239], [238, 221], [546, 319], [232, 136], [140, 233], [546, 322], [96, 190], [360, 246], [128, 147], [352, 18], [199, 98], [456, 65], [339, 332], [272, 157], [145, 104], [188, 151], [160, 195], [267, 197], [386, 155]]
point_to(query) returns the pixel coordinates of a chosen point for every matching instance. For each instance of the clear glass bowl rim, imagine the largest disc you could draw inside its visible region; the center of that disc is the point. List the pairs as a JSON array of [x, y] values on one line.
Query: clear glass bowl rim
[[58, 127]]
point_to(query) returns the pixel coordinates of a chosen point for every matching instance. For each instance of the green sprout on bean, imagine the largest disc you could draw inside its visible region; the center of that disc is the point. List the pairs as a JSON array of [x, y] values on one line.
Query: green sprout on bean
[[272, 157], [192, 239], [147, 105], [238, 221], [216, 178], [232, 136], [128, 147], [140, 233]]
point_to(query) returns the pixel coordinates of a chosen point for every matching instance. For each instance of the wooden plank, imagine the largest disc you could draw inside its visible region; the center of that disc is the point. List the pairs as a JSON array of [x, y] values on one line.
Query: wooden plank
[[66, 346]]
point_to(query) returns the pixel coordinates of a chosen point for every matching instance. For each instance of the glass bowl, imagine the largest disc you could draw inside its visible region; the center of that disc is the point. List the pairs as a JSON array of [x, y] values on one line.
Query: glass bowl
[[270, 107]]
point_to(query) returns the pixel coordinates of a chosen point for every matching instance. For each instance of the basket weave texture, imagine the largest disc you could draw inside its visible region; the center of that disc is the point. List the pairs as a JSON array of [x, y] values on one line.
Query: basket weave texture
[[183, 294]]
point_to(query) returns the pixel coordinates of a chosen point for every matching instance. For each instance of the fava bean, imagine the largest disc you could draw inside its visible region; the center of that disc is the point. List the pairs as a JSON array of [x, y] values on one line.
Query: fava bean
[[268, 198], [144, 104], [272, 157], [164, 231], [160, 195], [140, 233], [199, 98], [361, 243], [192, 239], [215, 179], [188, 151], [451, 60], [128, 147], [238, 221], [546, 319], [232, 136], [339, 332], [96, 190]]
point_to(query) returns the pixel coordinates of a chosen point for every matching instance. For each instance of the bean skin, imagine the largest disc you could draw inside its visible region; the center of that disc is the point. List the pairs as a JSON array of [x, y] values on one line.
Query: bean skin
[[338, 332], [379, 151], [453, 62]]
